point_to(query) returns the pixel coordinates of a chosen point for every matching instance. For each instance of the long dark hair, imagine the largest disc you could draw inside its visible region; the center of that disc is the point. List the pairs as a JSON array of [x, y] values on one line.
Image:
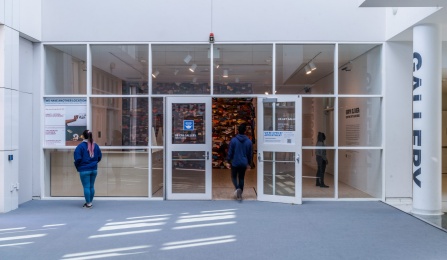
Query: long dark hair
[[90, 144], [321, 137]]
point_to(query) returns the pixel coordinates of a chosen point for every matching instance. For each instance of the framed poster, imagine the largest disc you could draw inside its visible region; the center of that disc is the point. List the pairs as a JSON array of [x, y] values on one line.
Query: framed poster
[[65, 120]]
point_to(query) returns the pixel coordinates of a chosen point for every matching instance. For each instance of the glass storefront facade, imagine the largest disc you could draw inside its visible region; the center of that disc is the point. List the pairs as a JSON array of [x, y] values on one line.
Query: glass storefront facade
[[126, 85]]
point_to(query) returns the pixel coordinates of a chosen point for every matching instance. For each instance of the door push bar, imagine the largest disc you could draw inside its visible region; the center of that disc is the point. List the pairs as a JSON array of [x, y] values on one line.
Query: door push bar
[[260, 159]]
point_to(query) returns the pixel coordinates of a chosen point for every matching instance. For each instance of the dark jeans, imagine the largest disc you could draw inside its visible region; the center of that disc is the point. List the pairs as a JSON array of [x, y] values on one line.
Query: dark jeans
[[88, 182], [237, 176], [321, 169]]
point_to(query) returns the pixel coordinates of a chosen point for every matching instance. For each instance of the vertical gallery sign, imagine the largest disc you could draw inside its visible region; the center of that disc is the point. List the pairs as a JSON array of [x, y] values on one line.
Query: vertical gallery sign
[[65, 120], [426, 136], [417, 116]]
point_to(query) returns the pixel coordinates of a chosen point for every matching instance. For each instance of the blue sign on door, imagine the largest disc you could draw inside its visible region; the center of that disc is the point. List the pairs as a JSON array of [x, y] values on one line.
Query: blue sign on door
[[188, 125]]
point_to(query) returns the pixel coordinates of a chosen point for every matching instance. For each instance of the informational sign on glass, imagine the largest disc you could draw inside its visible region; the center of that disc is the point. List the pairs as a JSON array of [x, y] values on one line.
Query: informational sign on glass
[[65, 120], [279, 137]]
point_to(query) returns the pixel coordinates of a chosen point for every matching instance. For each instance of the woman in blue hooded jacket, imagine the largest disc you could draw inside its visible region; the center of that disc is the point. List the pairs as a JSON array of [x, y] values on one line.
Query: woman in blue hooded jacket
[[86, 157], [240, 155]]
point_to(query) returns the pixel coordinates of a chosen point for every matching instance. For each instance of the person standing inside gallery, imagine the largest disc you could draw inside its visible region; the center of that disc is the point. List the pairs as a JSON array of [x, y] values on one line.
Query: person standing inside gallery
[[87, 155], [239, 158], [320, 154]]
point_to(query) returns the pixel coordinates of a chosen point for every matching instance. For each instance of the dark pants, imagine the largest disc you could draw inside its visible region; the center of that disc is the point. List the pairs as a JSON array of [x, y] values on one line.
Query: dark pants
[[237, 176], [88, 183], [321, 169]]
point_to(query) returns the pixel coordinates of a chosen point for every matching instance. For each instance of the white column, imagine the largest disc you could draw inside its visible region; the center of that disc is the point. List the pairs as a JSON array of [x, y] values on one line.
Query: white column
[[427, 112]]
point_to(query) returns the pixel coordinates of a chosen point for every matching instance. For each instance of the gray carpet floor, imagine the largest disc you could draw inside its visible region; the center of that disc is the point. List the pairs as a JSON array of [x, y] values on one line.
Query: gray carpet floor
[[62, 229]]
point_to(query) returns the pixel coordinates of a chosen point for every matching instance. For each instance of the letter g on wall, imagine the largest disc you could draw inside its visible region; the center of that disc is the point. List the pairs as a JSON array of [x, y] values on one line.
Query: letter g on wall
[[417, 61]]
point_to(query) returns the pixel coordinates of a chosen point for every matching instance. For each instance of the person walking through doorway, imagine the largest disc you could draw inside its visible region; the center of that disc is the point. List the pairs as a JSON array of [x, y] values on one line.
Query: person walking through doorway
[[239, 158], [87, 155], [321, 160]]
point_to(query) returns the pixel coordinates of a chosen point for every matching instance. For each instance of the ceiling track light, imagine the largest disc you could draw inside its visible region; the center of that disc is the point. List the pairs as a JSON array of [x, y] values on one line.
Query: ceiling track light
[[193, 67], [312, 66], [216, 65], [225, 74], [347, 66], [155, 74], [187, 59], [308, 70]]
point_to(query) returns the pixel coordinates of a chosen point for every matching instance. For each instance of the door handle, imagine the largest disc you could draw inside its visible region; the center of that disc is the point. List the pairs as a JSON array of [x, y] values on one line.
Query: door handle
[[207, 155], [298, 158], [259, 157]]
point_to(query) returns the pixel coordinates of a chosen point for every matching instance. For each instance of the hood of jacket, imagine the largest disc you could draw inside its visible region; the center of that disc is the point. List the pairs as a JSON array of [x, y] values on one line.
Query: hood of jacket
[[241, 138]]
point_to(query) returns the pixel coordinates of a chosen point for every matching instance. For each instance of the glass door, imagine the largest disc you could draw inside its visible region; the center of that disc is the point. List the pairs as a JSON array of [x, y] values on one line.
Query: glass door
[[188, 148], [279, 149]]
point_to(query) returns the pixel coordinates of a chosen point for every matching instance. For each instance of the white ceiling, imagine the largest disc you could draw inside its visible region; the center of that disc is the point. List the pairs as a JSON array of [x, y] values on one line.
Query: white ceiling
[[403, 3], [439, 17]]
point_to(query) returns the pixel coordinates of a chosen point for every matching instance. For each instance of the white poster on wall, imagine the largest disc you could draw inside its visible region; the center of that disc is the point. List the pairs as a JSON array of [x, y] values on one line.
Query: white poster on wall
[[353, 126], [65, 120]]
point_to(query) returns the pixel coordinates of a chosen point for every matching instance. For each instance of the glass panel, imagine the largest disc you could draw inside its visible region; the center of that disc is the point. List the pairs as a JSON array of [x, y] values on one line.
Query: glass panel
[[180, 69], [360, 122], [120, 121], [120, 69], [120, 173], [127, 173], [279, 173], [283, 119], [359, 173], [318, 116], [188, 171], [279, 116], [310, 174], [157, 173], [188, 123], [65, 69], [360, 70], [305, 69], [285, 116], [242, 68], [157, 122]]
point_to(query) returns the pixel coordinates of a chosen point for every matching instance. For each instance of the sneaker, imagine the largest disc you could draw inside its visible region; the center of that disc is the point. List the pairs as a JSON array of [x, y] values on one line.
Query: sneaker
[[235, 194], [239, 194], [87, 206]]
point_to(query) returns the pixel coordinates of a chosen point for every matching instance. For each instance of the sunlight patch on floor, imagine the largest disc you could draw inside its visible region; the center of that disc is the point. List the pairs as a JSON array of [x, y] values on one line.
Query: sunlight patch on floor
[[104, 253], [198, 242]]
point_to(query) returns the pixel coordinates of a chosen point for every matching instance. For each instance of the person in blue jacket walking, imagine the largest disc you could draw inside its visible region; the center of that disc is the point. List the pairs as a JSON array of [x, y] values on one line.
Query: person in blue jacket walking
[[87, 155], [239, 158]]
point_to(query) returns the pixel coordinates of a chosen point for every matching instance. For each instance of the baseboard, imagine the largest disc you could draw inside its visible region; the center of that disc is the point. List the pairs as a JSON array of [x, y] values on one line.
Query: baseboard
[[404, 204]]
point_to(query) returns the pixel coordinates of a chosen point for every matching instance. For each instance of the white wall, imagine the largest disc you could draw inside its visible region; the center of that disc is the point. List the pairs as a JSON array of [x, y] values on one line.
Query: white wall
[[2, 12], [25, 169], [177, 20], [23, 16], [30, 19], [9, 107], [398, 93]]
